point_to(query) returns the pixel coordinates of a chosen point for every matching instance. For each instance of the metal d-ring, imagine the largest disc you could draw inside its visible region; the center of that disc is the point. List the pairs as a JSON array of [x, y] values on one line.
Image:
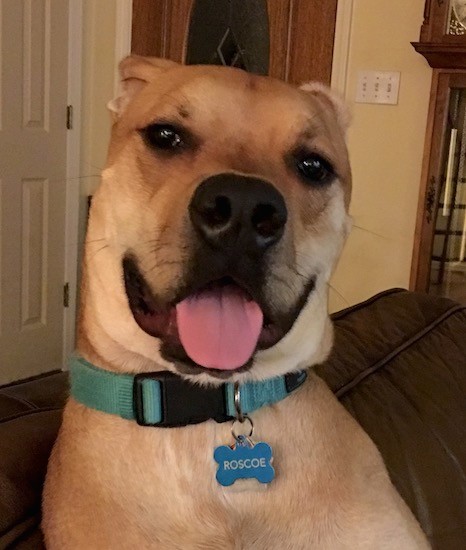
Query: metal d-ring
[[240, 416], [251, 428], [237, 402]]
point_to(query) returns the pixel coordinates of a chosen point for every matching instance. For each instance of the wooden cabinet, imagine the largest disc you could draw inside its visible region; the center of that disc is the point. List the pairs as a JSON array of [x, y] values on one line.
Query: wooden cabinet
[[300, 33], [439, 258]]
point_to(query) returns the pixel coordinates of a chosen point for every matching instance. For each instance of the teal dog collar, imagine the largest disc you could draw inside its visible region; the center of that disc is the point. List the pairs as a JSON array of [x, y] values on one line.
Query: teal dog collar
[[163, 399]]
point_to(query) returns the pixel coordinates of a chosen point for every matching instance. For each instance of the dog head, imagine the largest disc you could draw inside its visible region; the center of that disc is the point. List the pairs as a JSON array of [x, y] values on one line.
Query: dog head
[[220, 216]]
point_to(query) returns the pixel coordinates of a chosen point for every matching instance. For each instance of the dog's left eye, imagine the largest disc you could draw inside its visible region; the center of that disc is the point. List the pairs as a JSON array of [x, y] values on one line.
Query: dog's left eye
[[162, 136], [315, 169]]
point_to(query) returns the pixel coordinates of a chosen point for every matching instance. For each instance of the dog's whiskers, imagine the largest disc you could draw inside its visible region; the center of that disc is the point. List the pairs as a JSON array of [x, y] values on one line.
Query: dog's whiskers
[[151, 241], [284, 281], [371, 232], [302, 256], [298, 272], [330, 286], [97, 251], [158, 248], [162, 248], [163, 263], [95, 241], [339, 293]]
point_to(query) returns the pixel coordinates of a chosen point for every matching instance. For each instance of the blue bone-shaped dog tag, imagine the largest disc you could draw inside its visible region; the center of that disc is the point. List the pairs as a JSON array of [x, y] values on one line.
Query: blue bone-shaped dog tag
[[243, 462]]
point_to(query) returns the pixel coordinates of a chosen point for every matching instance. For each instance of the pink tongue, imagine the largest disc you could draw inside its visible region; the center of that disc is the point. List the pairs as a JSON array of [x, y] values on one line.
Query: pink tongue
[[219, 328]]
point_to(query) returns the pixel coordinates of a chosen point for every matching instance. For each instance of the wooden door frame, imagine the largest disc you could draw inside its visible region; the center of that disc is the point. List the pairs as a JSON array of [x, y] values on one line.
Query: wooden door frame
[[341, 46], [429, 192], [158, 24], [123, 24], [73, 169]]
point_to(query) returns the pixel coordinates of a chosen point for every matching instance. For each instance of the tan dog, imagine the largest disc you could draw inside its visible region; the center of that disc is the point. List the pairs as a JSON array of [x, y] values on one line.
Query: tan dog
[[232, 188]]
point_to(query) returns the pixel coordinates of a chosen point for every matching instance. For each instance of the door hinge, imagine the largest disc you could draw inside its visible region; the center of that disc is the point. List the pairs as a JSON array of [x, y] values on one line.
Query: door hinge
[[69, 117], [66, 295]]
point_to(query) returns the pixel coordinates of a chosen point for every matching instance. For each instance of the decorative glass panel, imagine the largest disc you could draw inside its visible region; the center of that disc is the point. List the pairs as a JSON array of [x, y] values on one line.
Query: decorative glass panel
[[233, 33], [457, 18], [448, 268]]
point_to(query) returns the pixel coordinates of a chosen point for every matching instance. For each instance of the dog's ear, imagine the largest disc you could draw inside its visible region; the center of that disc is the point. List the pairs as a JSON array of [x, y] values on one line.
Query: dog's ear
[[135, 72], [332, 100]]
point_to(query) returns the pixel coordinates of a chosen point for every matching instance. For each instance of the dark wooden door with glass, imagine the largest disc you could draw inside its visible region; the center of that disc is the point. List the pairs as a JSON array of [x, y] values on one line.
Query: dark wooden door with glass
[[287, 39]]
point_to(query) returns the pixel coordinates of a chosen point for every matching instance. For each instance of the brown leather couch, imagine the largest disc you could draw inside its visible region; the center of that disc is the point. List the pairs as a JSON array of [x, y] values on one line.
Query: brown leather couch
[[398, 365]]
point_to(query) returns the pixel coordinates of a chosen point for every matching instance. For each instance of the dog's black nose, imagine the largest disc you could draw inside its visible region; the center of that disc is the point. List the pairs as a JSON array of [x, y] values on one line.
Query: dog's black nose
[[241, 211]]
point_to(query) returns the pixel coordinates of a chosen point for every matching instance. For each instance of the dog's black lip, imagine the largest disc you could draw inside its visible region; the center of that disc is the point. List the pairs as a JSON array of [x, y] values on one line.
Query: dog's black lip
[[224, 280], [142, 302]]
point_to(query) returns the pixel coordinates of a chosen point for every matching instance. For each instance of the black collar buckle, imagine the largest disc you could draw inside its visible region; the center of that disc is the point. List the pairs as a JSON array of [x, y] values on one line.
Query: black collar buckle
[[183, 403]]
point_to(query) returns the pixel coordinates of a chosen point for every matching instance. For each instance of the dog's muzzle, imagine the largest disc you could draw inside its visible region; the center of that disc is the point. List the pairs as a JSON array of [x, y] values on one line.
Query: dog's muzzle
[[238, 214], [222, 311]]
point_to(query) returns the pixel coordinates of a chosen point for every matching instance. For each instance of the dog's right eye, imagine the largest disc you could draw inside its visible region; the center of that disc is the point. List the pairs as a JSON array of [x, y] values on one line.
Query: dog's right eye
[[315, 169], [162, 136]]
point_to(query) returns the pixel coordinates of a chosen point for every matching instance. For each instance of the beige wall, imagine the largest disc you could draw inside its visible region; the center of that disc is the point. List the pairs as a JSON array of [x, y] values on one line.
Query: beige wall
[[386, 146], [99, 21], [98, 77]]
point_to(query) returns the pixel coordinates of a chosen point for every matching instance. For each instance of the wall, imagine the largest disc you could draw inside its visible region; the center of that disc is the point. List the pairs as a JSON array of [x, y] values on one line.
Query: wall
[[386, 147], [99, 24]]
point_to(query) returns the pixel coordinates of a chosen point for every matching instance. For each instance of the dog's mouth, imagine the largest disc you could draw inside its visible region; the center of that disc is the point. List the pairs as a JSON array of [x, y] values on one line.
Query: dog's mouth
[[217, 326]]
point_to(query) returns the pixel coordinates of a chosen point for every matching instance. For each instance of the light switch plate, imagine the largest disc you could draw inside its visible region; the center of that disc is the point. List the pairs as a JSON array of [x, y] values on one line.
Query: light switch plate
[[381, 87]]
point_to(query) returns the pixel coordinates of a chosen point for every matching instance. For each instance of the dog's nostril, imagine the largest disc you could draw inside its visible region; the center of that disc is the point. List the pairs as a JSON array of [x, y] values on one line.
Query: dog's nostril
[[219, 213], [267, 220]]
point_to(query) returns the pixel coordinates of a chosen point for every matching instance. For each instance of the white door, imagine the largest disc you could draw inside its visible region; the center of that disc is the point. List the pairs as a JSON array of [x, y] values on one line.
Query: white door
[[33, 94]]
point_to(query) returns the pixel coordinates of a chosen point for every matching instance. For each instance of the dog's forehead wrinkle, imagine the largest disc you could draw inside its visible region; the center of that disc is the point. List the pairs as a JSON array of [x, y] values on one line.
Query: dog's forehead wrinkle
[[184, 111], [243, 95], [318, 129], [317, 138], [312, 124], [171, 105], [311, 132], [174, 97]]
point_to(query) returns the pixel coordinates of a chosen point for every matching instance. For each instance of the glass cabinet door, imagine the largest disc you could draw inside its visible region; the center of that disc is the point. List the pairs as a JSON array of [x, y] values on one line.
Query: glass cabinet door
[[448, 257]]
